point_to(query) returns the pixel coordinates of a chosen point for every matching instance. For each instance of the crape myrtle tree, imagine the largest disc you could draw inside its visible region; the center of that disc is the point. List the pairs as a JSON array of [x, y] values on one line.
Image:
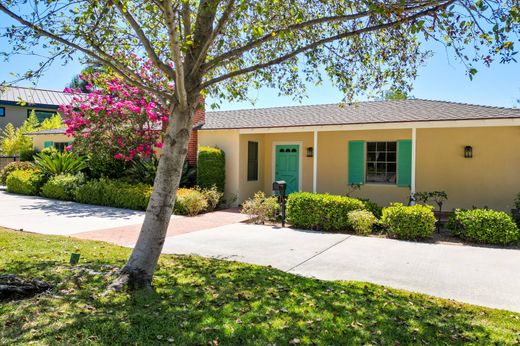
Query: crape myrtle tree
[[222, 48]]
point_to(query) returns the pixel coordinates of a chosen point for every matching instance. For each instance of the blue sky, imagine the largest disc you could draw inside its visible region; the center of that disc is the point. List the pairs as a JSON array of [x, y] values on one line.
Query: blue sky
[[442, 78]]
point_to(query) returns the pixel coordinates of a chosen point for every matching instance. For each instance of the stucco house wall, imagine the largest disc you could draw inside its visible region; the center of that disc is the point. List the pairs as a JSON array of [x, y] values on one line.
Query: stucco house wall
[[16, 115]]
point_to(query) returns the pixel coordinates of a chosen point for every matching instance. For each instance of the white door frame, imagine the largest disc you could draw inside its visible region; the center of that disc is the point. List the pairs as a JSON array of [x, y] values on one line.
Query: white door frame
[[300, 159]]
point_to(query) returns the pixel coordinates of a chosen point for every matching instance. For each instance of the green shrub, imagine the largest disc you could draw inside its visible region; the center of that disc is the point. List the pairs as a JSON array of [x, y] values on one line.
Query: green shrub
[[25, 182], [320, 211], [261, 208], [484, 226], [516, 213], [62, 186], [28, 155], [373, 207], [361, 221], [103, 165], [211, 168], [213, 197], [402, 222], [114, 193], [190, 202], [15, 166], [58, 162], [143, 170]]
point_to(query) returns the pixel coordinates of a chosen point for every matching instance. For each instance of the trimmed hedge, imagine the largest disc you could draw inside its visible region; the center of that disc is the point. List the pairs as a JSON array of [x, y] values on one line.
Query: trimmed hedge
[[114, 193], [15, 166], [320, 211], [62, 186], [484, 226], [410, 223], [24, 182], [211, 168]]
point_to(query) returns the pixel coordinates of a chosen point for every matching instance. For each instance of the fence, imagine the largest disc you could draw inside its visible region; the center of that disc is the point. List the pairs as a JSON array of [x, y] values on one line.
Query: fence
[[5, 160]]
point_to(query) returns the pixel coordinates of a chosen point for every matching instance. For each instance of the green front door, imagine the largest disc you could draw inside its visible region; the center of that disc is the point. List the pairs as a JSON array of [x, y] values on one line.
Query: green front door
[[288, 166]]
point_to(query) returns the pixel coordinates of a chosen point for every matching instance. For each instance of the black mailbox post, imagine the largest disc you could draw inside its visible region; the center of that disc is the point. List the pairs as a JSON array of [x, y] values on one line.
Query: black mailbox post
[[279, 187]]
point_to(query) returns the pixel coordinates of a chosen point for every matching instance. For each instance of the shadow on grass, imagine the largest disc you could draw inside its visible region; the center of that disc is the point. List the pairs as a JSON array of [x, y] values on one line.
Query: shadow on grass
[[199, 301]]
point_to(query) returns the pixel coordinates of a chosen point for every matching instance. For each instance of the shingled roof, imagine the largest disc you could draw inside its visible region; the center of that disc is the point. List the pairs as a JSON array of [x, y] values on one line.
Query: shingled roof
[[39, 98], [371, 112]]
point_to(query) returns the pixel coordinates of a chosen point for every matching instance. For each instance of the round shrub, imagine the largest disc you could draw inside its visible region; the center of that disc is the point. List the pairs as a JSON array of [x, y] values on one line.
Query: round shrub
[[15, 166], [28, 155], [25, 182], [402, 222], [320, 211], [62, 186], [361, 221], [213, 197], [190, 202], [211, 168], [484, 226], [261, 208]]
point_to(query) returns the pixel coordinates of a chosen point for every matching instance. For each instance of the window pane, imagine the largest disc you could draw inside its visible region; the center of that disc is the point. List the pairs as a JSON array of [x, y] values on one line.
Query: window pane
[[381, 162], [252, 161], [2, 112]]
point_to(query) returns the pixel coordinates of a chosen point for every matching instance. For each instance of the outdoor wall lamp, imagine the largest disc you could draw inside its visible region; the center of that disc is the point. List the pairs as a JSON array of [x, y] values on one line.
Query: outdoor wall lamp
[[310, 152], [468, 152]]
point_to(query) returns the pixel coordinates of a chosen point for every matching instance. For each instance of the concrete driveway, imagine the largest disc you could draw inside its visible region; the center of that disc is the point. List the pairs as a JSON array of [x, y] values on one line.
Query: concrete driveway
[[476, 275]]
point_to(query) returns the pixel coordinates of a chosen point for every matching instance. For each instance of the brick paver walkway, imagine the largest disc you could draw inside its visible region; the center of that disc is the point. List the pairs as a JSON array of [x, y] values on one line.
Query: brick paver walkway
[[127, 235]]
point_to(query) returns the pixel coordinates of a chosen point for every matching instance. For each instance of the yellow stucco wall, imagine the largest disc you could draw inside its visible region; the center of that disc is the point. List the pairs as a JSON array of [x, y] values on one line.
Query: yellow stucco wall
[[333, 165], [38, 140], [491, 178], [228, 141]]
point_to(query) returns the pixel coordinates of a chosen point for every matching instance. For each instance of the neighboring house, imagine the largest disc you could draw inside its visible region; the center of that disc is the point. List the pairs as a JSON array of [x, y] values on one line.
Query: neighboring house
[[391, 148], [16, 103]]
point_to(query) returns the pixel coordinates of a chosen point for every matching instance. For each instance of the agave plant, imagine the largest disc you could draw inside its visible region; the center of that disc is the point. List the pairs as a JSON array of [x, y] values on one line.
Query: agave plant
[[56, 163]]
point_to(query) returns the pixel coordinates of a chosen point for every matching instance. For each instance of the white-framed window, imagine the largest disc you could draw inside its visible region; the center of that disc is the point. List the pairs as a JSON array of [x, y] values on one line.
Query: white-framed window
[[381, 162]]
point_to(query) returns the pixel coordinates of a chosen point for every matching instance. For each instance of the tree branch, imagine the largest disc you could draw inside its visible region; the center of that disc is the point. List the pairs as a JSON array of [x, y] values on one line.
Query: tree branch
[[175, 50], [268, 37], [145, 41], [322, 42], [220, 25], [100, 56]]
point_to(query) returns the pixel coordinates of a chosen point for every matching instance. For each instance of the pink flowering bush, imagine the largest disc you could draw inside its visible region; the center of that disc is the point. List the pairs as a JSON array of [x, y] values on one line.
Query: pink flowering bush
[[114, 119]]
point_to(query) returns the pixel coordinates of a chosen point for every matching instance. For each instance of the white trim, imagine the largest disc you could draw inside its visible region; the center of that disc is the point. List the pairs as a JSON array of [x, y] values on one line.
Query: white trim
[[385, 126], [315, 163], [414, 144], [300, 159]]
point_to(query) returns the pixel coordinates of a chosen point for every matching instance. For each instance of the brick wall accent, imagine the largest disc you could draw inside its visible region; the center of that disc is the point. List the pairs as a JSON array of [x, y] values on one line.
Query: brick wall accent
[[198, 119]]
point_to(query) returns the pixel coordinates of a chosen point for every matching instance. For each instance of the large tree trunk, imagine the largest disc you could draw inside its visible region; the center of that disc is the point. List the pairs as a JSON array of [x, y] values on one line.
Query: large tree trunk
[[138, 271]]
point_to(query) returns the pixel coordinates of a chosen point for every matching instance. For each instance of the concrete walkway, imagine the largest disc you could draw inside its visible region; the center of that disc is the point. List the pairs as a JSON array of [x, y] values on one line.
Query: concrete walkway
[[115, 225], [476, 275]]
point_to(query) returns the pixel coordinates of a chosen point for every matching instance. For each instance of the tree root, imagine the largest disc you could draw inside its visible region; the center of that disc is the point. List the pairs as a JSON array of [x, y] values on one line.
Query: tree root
[[12, 287], [131, 279]]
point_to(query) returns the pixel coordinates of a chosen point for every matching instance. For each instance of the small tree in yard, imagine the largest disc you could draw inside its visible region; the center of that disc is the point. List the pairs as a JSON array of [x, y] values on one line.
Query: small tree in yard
[[224, 47]]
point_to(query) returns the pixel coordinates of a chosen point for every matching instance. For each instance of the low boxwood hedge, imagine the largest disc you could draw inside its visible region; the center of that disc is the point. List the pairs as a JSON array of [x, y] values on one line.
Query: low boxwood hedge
[[409, 223], [484, 226], [62, 186], [24, 182], [114, 193], [320, 211]]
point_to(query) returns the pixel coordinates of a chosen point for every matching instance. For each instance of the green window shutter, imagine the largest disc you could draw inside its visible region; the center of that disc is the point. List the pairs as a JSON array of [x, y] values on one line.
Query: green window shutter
[[48, 144], [356, 162], [404, 163]]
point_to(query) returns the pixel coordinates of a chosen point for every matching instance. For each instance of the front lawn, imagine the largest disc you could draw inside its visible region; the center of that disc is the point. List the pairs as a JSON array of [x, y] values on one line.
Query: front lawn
[[202, 301]]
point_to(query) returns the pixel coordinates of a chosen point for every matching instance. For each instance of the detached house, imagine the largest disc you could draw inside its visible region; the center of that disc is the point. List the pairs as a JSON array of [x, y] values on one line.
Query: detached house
[[388, 149]]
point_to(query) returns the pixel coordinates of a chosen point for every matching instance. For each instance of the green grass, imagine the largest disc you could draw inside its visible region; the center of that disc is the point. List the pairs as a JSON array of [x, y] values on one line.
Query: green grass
[[201, 301]]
